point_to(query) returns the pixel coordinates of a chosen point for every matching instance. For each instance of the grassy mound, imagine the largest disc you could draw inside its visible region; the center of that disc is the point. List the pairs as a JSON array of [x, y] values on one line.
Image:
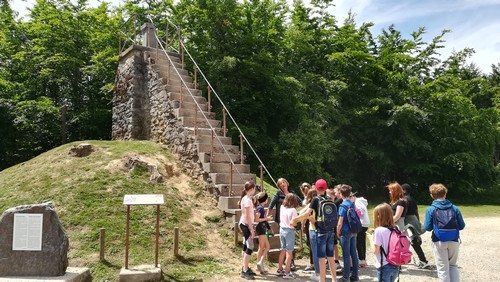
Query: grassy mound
[[88, 195]]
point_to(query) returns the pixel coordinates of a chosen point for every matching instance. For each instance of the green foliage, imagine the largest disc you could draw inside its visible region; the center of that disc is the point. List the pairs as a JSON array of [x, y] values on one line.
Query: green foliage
[[315, 97]]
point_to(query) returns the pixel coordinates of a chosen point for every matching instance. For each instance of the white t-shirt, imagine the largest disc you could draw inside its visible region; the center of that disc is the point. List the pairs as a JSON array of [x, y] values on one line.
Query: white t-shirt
[[381, 238], [246, 203], [286, 215]]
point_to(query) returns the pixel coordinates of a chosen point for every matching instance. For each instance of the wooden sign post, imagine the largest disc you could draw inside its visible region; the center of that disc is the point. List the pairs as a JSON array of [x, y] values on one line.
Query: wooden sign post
[[143, 199]]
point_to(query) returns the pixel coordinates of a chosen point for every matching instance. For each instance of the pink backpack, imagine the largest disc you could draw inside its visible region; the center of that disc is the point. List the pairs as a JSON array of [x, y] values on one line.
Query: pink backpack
[[399, 248]]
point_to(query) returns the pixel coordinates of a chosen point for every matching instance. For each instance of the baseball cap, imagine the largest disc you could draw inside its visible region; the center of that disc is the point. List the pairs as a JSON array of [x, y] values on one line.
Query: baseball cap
[[321, 184]]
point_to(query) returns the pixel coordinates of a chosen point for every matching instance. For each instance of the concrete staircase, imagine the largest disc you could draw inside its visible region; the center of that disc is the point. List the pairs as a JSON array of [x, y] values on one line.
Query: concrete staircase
[[218, 164]]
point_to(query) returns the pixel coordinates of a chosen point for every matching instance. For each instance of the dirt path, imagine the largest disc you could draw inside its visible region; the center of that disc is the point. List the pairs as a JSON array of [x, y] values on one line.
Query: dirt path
[[477, 260]]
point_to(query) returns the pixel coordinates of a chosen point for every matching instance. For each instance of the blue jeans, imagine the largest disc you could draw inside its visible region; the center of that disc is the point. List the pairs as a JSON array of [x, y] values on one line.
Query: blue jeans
[[325, 244], [389, 273], [348, 243], [313, 241]]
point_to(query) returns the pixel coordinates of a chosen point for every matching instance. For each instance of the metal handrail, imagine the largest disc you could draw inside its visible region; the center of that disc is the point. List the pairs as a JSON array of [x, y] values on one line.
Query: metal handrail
[[197, 104], [183, 47]]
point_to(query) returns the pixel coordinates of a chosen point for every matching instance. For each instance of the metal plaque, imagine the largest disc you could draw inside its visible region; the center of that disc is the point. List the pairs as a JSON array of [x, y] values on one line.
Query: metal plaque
[[27, 232], [143, 199]]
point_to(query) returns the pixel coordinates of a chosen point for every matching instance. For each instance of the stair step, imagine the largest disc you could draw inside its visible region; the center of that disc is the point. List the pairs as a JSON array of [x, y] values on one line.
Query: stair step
[[160, 56], [165, 68], [190, 106], [200, 123], [224, 167], [241, 178], [219, 158], [176, 83], [184, 112], [207, 132], [218, 148], [187, 91], [187, 98]]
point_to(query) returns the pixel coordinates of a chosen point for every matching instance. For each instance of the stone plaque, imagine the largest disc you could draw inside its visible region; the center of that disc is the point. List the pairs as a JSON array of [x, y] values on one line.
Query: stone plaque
[[27, 232], [143, 199]]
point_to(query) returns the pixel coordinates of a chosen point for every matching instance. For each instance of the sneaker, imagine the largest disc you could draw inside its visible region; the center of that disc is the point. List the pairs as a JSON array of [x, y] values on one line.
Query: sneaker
[[362, 263], [314, 277], [280, 272], [354, 278], [288, 276], [342, 279], [246, 275], [339, 268], [423, 265], [250, 271], [309, 268], [262, 269]]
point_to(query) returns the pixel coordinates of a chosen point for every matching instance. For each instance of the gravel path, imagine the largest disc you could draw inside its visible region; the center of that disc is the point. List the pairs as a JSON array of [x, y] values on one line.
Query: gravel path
[[477, 260]]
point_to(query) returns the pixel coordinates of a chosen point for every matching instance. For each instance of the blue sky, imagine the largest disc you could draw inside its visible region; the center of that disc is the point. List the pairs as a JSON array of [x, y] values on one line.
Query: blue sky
[[473, 23]]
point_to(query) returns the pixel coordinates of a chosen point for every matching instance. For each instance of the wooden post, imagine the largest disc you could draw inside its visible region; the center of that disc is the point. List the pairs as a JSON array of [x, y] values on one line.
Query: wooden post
[[195, 117], [176, 241], [212, 146], [262, 177], [168, 72], [241, 149], [127, 233], [182, 55], [102, 240], [209, 96], [180, 91], [166, 38], [195, 78], [157, 233], [224, 120], [231, 177], [236, 233], [179, 37]]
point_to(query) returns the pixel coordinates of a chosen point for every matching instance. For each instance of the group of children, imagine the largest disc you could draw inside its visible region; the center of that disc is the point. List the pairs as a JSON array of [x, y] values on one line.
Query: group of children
[[324, 234]]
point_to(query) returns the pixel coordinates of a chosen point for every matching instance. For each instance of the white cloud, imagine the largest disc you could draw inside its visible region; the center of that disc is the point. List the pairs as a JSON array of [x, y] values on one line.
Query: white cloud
[[474, 23]]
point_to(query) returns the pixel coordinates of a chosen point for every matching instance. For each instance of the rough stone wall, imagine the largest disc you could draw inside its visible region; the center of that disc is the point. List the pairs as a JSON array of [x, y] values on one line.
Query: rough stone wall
[[131, 100], [138, 84]]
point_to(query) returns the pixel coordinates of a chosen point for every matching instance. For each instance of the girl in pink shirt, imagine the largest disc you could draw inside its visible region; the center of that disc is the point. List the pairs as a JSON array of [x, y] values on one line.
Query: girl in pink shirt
[[287, 233], [246, 225]]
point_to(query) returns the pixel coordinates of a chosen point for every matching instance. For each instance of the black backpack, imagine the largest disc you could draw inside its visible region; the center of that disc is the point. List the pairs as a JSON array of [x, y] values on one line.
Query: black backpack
[[327, 217]]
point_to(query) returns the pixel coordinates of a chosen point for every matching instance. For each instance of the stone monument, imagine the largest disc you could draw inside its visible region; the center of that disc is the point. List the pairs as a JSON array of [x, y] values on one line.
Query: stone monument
[[40, 245]]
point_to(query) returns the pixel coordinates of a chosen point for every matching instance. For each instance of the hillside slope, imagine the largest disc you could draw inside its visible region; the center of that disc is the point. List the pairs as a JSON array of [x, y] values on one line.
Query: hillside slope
[[88, 194]]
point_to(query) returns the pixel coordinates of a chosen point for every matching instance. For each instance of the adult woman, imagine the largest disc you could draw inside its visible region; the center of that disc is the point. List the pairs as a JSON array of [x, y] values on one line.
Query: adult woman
[[398, 204]]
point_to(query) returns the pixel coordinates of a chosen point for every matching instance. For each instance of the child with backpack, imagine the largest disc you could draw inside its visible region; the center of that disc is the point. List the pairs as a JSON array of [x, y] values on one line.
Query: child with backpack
[[348, 227], [391, 247], [261, 229], [362, 206], [324, 219], [444, 220]]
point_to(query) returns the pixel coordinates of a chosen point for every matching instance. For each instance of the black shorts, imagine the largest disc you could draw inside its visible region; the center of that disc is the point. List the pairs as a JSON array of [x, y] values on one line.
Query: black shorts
[[261, 228]]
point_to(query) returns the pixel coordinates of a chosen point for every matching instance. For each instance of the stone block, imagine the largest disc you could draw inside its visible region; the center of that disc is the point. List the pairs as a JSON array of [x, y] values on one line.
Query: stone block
[[52, 260]]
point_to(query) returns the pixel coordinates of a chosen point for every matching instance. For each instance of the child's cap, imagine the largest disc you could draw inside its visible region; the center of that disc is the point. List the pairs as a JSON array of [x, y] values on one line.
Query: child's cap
[[321, 185]]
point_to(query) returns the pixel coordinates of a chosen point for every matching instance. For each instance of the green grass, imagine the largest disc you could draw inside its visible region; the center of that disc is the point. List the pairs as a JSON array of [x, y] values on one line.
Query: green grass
[[88, 195]]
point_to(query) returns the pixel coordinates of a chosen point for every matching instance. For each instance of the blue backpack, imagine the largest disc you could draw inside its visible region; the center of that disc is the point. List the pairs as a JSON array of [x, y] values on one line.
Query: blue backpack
[[353, 221], [327, 217], [445, 224]]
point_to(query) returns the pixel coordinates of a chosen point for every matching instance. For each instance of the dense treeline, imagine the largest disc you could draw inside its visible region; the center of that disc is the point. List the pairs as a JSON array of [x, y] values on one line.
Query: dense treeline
[[315, 97]]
